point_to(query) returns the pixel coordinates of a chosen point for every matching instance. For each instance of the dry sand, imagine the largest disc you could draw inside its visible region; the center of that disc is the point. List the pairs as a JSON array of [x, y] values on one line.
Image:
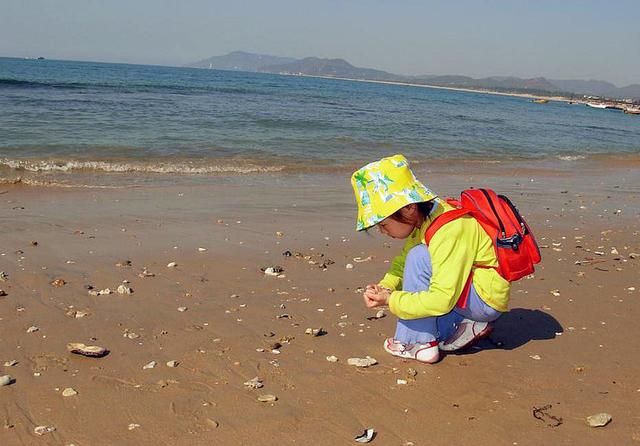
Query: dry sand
[[568, 347]]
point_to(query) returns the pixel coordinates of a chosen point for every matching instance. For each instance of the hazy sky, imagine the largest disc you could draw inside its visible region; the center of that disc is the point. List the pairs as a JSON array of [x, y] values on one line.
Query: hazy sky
[[559, 39]]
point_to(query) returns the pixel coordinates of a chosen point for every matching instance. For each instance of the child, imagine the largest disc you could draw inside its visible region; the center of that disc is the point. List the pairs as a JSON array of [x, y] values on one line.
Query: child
[[445, 294]]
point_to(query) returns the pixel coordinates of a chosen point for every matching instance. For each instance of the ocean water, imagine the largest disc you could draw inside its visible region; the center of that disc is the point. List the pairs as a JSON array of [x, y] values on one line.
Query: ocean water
[[62, 118]]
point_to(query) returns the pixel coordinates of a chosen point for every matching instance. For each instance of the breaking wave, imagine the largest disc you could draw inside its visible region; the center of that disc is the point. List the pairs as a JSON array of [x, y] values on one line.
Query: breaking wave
[[571, 157], [138, 167]]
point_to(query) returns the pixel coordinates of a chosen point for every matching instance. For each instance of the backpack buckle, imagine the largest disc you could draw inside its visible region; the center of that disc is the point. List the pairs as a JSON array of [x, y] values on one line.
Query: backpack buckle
[[512, 242]]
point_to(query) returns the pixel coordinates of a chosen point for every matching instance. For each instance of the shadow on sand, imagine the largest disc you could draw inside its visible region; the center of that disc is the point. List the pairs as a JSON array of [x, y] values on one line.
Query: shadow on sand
[[516, 328]]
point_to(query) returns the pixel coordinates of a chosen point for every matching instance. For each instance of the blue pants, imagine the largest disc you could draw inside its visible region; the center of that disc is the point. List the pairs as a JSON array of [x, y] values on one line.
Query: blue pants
[[417, 277]]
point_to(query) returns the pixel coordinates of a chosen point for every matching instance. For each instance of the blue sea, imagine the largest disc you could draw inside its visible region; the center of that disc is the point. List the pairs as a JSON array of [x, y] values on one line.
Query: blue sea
[[64, 117]]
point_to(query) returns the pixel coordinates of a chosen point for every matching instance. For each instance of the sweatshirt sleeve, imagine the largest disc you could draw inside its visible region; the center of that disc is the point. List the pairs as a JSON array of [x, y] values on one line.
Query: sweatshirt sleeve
[[452, 256]]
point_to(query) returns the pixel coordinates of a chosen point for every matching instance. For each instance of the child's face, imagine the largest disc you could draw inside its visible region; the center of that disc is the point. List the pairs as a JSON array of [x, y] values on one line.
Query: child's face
[[395, 229]]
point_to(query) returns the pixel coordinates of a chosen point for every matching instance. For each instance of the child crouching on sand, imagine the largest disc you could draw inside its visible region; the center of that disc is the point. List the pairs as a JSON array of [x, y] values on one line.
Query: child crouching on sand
[[445, 295]]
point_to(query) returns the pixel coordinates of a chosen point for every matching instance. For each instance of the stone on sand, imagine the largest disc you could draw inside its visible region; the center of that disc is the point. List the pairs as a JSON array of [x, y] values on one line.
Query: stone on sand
[[5, 380], [362, 362], [69, 391], [599, 419]]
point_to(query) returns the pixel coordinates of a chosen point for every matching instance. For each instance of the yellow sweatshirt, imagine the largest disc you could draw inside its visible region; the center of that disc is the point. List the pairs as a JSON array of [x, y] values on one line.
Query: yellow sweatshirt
[[454, 249]]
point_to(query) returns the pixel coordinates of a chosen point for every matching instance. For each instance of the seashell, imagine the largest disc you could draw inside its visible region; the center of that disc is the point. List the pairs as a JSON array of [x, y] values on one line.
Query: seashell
[[10, 363], [172, 363], [42, 430], [92, 351], [268, 398], [254, 383], [104, 292], [150, 365], [6, 380], [124, 290], [315, 332], [124, 264], [379, 315], [32, 329], [202, 249], [182, 309], [366, 436], [274, 270], [362, 259], [146, 273], [362, 362], [349, 266], [172, 265], [332, 358], [3, 293], [58, 282], [3, 276]]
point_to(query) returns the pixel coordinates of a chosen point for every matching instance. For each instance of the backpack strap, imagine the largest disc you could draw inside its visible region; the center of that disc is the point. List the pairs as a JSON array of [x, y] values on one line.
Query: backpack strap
[[439, 222], [442, 220]]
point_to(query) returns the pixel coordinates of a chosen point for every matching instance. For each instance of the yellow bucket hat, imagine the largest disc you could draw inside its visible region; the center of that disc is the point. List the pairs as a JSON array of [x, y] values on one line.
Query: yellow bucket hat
[[383, 187]]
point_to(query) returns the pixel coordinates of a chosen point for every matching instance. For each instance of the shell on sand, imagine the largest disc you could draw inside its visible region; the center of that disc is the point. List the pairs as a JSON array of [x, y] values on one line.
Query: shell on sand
[[92, 351]]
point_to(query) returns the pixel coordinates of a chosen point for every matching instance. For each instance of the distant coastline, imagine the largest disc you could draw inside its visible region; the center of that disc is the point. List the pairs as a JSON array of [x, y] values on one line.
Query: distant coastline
[[610, 103], [468, 90]]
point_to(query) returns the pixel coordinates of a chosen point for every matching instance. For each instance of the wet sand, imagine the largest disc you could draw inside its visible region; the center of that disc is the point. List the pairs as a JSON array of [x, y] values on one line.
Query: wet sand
[[567, 347]]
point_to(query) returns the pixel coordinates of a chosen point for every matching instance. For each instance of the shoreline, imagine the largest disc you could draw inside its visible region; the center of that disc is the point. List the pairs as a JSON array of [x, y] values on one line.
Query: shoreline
[[549, 97], [99, 179]]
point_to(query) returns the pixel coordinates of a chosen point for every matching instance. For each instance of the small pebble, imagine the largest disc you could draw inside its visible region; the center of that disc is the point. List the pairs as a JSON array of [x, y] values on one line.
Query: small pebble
[[69, 392]]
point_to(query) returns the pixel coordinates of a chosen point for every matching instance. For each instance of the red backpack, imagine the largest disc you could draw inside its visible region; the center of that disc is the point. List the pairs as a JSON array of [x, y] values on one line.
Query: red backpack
[[513, 241]]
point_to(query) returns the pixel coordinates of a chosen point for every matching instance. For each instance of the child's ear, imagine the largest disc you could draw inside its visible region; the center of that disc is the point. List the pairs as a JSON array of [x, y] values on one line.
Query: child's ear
[[409, 211]]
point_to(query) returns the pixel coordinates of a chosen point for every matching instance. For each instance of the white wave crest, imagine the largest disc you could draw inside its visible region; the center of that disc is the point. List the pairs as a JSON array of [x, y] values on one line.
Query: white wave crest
[[136, 167], [571, 157]]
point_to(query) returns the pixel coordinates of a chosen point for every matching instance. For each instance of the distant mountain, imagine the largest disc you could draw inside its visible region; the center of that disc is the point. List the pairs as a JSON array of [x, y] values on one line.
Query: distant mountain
[[506, 83], [240, 61], [313, 66], [630, 91], [592, 87]]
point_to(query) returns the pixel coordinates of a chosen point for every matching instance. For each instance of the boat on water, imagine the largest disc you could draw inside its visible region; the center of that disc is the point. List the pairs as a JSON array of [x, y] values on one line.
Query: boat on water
[[540, 101], [597, 105], [632, 111]]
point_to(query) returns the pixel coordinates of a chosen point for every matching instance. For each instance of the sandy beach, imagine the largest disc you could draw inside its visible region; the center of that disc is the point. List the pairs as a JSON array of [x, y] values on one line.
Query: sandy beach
[[565, 351]]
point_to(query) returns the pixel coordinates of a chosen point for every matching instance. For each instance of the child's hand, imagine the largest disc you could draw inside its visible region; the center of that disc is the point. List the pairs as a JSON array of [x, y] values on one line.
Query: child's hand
[[376, 296]]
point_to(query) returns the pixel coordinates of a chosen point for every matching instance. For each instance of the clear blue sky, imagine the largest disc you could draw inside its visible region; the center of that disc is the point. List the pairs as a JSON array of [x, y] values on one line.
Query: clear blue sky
[[560, 39]]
